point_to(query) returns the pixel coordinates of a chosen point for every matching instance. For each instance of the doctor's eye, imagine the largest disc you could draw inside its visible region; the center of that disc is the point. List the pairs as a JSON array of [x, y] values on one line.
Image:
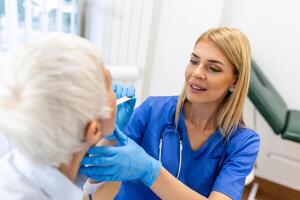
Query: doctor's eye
[[214, 69], [193, 62]]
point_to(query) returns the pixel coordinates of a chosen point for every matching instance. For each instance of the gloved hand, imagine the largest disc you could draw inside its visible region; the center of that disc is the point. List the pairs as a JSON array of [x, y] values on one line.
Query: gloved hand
[[124, 110], [128, 161]]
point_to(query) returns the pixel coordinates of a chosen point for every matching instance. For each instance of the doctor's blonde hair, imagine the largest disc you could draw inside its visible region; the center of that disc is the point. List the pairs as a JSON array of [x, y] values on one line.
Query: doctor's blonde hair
[[235, 46], [49, 92]]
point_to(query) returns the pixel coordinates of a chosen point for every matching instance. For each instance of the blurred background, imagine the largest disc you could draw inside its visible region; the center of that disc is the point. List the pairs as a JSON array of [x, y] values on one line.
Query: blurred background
[[147, 43]]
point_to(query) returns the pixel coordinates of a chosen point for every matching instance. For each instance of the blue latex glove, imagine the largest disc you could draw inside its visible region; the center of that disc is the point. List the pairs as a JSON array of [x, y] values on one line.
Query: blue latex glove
[[124, 110], [126, 162]]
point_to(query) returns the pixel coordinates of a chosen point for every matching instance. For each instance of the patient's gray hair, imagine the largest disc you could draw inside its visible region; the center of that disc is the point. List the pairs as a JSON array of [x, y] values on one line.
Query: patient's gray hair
[[49, 91]]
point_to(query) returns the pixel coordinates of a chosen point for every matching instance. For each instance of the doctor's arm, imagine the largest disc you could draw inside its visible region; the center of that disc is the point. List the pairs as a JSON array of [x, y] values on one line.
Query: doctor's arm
[[166, 186], [129, 161], [229, 184]]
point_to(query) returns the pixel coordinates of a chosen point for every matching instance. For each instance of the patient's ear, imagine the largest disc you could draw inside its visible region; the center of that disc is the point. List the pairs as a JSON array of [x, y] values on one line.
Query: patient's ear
[[93, 132]]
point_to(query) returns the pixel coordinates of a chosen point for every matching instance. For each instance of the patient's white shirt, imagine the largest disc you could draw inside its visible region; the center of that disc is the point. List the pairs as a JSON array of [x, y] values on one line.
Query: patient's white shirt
[[5, 147], [21, 179]]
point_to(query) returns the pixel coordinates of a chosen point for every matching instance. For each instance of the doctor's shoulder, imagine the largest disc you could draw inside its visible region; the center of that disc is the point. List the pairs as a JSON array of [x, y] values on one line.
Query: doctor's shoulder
[[160, 102], [158, 106], [244, 140]]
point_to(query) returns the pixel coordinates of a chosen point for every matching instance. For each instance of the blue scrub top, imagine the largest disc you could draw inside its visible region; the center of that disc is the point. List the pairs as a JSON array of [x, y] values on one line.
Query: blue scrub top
[[216, 166]]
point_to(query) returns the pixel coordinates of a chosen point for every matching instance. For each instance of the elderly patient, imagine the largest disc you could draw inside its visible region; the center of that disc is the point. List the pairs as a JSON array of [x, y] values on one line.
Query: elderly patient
[[55, 102]]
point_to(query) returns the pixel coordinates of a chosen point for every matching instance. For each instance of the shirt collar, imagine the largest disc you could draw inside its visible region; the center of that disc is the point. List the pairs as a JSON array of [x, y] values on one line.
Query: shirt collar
[[48, 179]]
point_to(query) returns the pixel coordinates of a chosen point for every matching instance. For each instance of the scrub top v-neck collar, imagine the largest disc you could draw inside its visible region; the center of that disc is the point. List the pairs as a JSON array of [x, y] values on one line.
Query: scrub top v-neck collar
[[186, 141]]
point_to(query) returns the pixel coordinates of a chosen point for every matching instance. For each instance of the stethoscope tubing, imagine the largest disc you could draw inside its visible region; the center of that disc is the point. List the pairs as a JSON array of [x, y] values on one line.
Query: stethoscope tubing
[[160, 147]]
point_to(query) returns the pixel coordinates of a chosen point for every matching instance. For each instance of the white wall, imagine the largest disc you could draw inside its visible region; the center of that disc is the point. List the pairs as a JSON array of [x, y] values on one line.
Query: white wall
[[272, 26], [178, 26], [274, 31], [121, 30]]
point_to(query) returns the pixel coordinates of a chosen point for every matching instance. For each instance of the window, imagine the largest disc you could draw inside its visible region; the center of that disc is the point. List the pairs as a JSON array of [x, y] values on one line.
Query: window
[[24, 20]]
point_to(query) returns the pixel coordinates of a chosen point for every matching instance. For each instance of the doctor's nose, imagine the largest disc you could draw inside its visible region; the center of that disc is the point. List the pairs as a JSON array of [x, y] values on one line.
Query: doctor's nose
[[199, 72]]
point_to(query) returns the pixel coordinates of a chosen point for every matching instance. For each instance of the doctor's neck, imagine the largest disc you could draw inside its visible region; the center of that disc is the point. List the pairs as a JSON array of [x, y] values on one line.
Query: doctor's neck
[[200, 114]]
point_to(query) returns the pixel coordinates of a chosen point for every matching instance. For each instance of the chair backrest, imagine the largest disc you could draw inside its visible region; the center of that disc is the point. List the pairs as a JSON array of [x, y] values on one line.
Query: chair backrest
[[267, 100]]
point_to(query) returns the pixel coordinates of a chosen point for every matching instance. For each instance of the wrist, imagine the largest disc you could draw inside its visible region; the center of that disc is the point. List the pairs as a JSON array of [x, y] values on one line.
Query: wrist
[[152, 172]]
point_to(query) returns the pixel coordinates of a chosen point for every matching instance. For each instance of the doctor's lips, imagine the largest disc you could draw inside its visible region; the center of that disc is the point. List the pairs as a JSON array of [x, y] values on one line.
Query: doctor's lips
[[123, 100], [197, 87]]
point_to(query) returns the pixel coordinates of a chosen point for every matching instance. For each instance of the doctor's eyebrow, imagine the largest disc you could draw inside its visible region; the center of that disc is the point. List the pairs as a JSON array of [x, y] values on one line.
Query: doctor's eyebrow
[[216, 61], [193, 54], [211, 60]]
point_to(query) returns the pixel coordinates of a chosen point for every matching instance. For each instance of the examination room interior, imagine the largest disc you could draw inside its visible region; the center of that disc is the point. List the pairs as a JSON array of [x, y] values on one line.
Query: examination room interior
[[147, 43]]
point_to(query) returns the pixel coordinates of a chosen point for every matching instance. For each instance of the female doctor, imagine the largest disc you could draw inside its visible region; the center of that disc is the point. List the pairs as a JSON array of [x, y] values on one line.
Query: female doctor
[[191, 146]]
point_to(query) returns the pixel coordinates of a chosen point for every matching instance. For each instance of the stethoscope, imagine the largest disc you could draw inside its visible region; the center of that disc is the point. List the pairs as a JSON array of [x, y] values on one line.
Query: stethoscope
[[171, 128]]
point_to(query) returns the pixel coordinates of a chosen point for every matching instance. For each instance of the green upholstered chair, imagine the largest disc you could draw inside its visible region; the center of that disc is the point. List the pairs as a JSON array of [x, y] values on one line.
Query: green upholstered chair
[[272, 106], [292, 130], [267, 100]]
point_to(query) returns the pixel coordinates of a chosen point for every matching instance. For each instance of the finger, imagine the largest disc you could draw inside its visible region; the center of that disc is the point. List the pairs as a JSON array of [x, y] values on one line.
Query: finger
[[119, 107], [110, 137], [106, 178], [89, 171], [102, 151], [130, 92], [97, 161], [114, 87], [124, 91], [132, 102], [120, 136], [119, 90], [98, 170], [103, 171]]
